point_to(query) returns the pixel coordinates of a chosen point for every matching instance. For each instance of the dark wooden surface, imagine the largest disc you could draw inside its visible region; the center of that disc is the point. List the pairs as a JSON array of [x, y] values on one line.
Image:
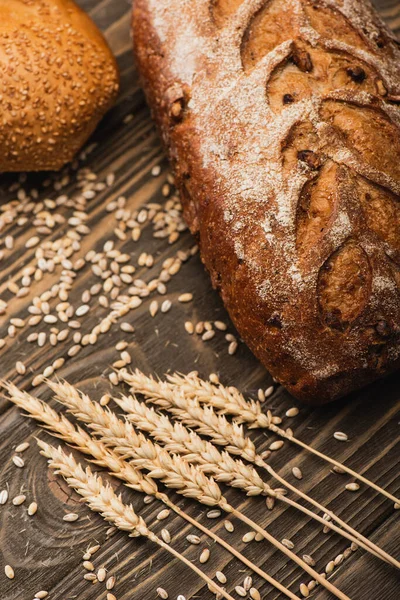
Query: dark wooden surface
[[46, 552]]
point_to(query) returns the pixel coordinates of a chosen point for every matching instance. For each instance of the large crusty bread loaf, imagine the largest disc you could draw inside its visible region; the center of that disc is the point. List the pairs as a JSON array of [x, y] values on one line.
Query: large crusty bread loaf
[[282, 123], [58, 78]]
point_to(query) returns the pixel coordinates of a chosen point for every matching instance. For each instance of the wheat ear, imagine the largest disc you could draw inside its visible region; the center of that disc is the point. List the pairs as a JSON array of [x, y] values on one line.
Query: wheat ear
[[179, 440], [60, 427], [231, 402], [189, 411], [173, 471], [102, 499]]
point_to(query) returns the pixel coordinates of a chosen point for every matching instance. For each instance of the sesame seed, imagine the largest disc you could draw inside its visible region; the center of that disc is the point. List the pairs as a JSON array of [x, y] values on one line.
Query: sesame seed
[[276, 445], [221, 577], [3, 497], [185, 297], [163, 514], [18, 500], [352, 487], [292, 412], [220, 325]]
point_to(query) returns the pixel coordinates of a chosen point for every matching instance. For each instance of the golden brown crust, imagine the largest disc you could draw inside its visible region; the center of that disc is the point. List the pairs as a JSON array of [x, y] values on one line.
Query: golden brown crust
[[286, 148], [58, 78]]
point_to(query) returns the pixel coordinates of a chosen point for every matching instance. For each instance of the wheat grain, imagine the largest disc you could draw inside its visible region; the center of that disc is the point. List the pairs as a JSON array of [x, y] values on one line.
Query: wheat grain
[[102, 499], [9, 572]]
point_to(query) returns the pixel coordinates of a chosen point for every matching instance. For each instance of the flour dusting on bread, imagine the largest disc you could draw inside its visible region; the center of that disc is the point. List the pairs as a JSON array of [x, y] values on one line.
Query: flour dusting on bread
[[279, 126]]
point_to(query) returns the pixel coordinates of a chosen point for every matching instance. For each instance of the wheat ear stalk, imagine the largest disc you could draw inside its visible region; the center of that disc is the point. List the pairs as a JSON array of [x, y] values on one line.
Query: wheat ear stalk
[[102, 499], [173, 471], [60, 427], [231, 402], [189, 411], [179, 440]]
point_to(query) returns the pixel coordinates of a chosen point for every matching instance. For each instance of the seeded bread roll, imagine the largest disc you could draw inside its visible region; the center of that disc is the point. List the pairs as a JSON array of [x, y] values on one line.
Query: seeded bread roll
[[57, 80], [281, 120]]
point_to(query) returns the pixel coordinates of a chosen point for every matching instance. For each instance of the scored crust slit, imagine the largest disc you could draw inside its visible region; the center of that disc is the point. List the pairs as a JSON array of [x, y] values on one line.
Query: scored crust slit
[[281, 121]]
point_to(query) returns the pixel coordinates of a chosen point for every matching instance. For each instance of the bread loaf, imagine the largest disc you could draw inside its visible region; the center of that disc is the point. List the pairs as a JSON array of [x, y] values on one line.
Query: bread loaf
[[281, 120], [57, 80]]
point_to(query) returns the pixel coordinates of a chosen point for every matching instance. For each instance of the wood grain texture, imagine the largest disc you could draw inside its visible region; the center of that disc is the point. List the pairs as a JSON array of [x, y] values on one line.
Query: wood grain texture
[[44, 550]]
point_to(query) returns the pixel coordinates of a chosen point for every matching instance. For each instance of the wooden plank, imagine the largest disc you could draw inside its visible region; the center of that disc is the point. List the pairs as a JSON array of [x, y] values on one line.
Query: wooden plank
[[44, 550]]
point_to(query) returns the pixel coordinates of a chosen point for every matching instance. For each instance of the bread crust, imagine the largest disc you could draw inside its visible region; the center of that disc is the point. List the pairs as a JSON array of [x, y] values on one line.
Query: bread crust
[[58, 78], [279, 140]]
